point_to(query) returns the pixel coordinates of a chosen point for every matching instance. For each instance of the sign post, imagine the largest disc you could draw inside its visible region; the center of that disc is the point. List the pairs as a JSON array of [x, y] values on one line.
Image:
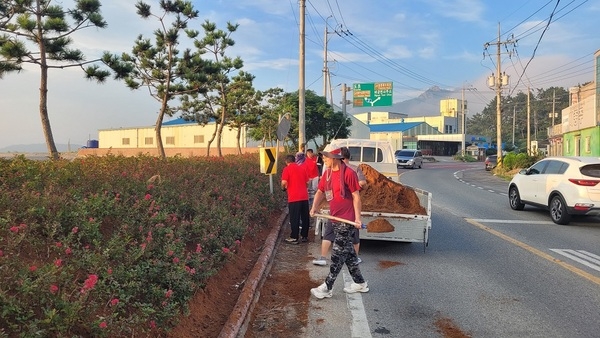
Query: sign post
[[374, 94]]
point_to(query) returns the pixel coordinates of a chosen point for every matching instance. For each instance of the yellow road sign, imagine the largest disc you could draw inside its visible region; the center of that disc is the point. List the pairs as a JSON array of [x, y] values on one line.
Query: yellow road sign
[[268, 165]]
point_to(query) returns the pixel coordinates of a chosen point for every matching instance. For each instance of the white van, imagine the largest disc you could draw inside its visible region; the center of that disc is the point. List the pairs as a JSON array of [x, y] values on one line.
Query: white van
[[377, 154]]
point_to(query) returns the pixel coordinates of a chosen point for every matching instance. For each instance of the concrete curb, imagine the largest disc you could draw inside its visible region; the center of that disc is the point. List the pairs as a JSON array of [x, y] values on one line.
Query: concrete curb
[[239, 319]]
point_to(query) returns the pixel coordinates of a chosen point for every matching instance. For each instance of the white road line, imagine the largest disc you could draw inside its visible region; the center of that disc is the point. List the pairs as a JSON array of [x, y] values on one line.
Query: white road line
[[511, 221], [580, 256], [360, 324]]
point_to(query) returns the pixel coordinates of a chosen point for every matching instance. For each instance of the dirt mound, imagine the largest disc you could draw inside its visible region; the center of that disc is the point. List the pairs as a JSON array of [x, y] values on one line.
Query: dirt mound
[[384, 195]]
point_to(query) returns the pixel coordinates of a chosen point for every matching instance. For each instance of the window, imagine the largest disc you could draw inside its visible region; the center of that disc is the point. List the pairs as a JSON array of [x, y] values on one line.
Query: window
[[588, 146], [170, 140], [148, 141], [537, 168], [368, 154], [125, 141], [556, 167], [198, 138]]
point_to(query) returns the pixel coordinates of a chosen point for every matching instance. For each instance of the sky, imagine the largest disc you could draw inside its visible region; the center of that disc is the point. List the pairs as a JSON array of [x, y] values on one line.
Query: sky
[[451, 44]]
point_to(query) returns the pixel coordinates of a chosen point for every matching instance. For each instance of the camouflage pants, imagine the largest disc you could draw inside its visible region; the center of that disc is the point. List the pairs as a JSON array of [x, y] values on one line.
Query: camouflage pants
[[343, 252]]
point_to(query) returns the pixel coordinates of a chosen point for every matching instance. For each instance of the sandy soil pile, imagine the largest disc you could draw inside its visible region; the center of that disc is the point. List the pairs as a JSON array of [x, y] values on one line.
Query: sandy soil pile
[[384, 195]]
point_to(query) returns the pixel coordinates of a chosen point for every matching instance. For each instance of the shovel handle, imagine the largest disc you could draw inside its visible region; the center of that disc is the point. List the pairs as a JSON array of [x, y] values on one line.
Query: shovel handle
[[339, 219]]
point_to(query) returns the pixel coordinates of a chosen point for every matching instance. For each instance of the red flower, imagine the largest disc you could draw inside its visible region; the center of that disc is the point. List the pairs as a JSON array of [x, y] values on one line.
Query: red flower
[[53, 288], [68, 251], [114, 301], [152, 324], [32, 268], [226, 250], [74, 230], [109, 271], [169, 293], [89, 283], [14, 229], [58, 263], [102, 325], [198, 248], [147, 197], [170, 253], [58, 244], [175, 260]]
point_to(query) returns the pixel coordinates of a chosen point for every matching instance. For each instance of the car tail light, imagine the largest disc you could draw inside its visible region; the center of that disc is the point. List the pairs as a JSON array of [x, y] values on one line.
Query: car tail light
[[586, 183], [583, 206]]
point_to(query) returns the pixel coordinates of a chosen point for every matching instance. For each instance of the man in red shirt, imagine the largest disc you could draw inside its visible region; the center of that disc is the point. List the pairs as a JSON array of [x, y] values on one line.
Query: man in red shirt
[[339, 186], [313, 175], [294, 179]]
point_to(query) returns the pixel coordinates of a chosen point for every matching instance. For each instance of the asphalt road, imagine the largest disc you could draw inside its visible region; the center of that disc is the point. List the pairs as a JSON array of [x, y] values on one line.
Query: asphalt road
[[489, 271]]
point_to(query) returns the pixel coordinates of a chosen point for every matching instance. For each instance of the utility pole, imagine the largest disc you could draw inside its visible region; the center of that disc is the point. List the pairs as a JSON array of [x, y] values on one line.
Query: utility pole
[[325, 69], [345, 89], [301, 85], [464, 133], [514, 118], [497, 81], [528, 123]]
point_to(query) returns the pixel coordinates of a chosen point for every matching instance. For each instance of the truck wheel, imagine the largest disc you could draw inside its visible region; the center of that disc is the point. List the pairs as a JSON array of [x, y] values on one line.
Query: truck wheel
[[558, 211], [514, 199]]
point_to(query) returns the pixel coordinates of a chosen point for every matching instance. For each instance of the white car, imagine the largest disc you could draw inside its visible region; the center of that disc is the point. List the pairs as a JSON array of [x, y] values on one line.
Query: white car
[[565, 186], [409, 158]]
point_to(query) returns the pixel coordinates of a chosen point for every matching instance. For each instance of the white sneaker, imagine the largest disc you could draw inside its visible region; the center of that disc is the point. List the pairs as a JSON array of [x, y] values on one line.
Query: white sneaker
[[321, 291], [355, 287], [322, 261], [358, 260]]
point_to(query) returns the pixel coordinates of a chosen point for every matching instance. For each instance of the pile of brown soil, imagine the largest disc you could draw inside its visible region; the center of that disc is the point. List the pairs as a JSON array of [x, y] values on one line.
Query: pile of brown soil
[[384, 195]]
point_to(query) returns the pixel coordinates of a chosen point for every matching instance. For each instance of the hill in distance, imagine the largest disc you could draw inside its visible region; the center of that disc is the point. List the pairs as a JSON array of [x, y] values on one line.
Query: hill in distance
[[38, 148]]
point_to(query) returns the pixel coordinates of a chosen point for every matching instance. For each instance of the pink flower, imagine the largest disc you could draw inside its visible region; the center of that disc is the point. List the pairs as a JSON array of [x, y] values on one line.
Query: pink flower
[[143, 246], [169, 293], [109, 271], [102, 325], [32, 268], [198, 248], [68, 251], [74, 230], [58, 244], [237, 242], [147, 197], [152, 324], [226, 250], [114, 301], [14, 229], [170, 253], [150, 186], [175, 260], [89, 283], [53, 288], [58, 263]]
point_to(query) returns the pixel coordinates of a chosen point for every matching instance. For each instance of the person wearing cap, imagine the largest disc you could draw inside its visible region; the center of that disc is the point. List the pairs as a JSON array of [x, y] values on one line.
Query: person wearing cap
[[328, 234], [339, 186], [294, 179]]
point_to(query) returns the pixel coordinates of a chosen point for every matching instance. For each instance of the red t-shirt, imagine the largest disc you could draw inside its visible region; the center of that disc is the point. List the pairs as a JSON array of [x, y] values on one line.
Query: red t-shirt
[[340, 206], [297, 178], [311, 168]]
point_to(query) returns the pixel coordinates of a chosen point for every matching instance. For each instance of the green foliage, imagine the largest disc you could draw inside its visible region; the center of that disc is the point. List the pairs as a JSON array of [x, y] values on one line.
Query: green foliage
[[117, 246]]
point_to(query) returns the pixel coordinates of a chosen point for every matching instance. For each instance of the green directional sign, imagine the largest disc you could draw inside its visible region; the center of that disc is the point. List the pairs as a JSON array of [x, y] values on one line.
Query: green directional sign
[[374, 94]]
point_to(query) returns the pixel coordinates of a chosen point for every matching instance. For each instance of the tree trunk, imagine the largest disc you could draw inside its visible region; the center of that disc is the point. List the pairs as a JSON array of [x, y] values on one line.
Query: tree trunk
[[238, 136], [212, 139], [220, 131], [44, 91]]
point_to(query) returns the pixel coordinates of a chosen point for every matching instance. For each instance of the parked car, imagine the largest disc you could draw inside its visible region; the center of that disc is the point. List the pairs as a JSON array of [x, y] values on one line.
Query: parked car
[[565, 186], [490, 162], [409, 158]]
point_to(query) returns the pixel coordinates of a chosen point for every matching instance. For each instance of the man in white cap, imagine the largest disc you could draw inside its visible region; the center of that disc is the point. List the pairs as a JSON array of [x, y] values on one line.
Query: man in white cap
[[339, 186]]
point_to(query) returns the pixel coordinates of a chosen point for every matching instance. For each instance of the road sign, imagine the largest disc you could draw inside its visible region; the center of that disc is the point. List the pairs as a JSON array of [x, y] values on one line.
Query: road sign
[[375, 94], [283, 128], [268, 165]]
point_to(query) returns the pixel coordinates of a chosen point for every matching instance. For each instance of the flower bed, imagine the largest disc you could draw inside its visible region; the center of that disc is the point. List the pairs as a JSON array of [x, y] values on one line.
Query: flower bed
[[117, 246]]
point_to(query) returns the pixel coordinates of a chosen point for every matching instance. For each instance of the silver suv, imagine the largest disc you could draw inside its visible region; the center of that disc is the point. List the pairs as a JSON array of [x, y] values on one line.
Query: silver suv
[[409, 158]]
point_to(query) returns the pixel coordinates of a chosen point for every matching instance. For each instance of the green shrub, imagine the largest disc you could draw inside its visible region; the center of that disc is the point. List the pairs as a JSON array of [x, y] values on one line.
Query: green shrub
[[116, 246]]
